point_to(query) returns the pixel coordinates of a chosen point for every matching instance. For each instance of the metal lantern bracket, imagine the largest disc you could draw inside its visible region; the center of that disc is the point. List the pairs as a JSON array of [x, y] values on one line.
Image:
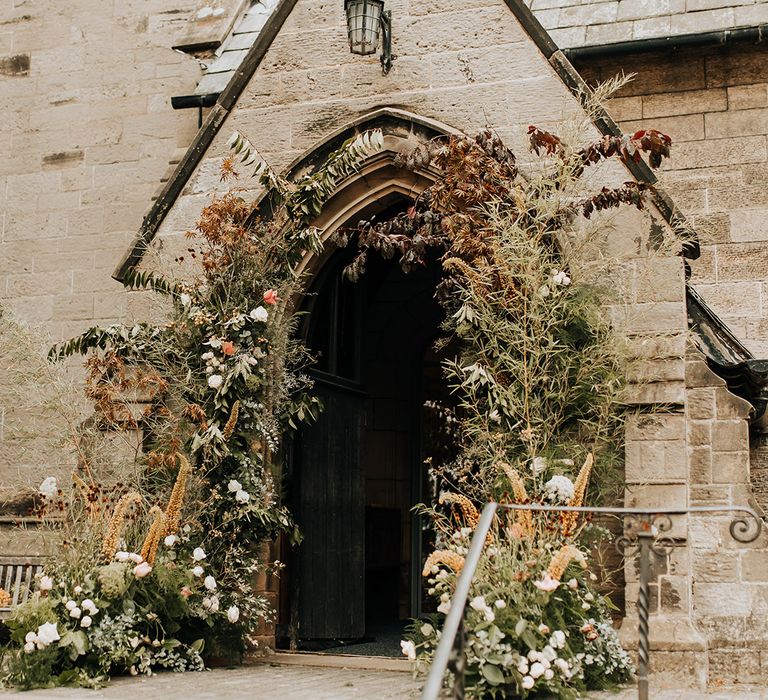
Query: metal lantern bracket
[[386, 44], [644, 530]]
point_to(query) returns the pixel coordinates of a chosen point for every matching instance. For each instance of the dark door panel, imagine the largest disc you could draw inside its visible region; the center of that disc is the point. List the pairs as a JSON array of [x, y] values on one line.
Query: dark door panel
[[331, 514]]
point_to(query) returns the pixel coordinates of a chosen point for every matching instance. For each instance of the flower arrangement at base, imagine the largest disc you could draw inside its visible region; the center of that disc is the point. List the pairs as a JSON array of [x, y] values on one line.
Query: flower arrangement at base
[[212, 390], [535, 622]]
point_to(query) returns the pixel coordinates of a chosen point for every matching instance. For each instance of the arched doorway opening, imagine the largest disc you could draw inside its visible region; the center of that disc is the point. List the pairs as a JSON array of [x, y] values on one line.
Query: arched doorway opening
[[357, 473]]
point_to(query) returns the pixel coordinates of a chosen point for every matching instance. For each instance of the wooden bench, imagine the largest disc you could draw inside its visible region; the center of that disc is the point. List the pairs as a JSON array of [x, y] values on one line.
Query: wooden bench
[[17, 577]]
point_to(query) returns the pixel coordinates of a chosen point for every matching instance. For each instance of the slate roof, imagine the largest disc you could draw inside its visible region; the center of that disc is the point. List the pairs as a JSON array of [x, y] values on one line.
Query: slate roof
[[578, 23], [234, 49]]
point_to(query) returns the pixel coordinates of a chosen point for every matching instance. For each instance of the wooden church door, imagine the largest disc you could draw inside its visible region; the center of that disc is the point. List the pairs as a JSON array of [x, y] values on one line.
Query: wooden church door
[[331, 590], [329, 488]]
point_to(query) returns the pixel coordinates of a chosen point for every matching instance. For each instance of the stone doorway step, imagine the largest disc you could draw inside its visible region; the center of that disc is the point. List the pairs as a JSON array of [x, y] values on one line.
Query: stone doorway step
[[322, 660]]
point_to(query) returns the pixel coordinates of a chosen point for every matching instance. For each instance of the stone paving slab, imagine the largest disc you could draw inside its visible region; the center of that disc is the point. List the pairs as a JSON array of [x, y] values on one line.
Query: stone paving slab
[[268, 682]]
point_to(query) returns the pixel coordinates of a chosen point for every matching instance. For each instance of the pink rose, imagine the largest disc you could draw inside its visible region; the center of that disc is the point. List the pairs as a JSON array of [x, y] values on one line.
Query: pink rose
[[228, 348], [186, 591], [270, 297], [142, 570]]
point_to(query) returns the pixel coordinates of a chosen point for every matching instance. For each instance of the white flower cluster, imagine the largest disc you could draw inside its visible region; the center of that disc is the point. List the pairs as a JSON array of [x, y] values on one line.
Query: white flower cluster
[[241, 496], [478, 603], [560, 278], [46, 634], [76, 609], [142, 567], [604, 649], [559, 489], [48, 488], [545, 663]]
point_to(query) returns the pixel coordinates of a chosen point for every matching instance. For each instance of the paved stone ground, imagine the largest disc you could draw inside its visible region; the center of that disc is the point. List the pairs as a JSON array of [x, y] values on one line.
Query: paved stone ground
[[265, 682]]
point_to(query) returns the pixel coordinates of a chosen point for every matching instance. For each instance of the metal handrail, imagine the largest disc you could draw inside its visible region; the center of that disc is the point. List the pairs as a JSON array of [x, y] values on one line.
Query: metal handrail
[[651, 523]]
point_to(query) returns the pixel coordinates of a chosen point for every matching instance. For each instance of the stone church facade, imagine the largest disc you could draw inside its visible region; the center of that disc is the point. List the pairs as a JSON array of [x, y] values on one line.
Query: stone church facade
[[92, 134]]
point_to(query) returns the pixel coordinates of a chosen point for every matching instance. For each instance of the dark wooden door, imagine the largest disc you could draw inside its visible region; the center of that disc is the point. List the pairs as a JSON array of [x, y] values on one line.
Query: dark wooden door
[[331, 514]]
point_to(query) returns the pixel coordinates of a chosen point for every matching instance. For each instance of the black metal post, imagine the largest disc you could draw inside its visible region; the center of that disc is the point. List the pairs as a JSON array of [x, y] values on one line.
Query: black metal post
[[645, 540]]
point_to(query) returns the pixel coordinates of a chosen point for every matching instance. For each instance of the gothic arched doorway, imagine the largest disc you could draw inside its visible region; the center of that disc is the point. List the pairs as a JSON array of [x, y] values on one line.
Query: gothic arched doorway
[[357, 473]]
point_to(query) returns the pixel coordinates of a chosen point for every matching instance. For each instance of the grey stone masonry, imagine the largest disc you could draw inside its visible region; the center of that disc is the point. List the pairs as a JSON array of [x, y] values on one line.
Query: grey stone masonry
[[573, 23]]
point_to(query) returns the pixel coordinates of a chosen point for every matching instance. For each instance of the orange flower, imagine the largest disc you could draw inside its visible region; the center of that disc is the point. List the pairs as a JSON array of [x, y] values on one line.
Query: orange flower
[[228, 347], [270, 297]]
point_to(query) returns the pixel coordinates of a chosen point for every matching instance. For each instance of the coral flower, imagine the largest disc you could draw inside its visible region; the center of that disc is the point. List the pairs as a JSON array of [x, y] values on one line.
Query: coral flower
[[228, 347], [186, 591], [270, 297]]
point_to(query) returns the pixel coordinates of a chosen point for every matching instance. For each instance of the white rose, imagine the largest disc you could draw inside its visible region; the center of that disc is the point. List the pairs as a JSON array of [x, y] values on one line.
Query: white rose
[[210, 583], [49, 487], [543, 628], [557, 640], [242, 497], [78, 590], [537, 670], [500, 604], [427, 630], [215, 381], [573, 584], [170, 540], [47, 633], [549, 674], [136, 558], [409, 649], [522, 665], [214, 603], [233, 486], [549, 653], [46, 583], [87, 605], [444, 607], [528, 682], [122, 556], [70, 605], [86, 621], [31, 637], [207, 356], [198, 554], [29, 647], [233, 614], [198, 571], [478, 603], [259, 314]]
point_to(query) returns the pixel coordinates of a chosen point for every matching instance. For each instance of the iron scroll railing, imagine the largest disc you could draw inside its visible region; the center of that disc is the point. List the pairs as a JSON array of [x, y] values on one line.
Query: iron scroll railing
[[644, 529]]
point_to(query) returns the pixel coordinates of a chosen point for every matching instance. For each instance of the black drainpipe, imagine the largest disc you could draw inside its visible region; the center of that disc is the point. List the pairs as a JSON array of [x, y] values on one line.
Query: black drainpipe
[[199, 101], [756, 34]]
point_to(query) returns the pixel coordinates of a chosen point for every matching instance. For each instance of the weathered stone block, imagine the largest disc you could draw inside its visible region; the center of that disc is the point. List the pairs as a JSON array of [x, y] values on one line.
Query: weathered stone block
[[701, 403], [730, 435], [754, 565], [722, 599], [734, 666], [715, 566]]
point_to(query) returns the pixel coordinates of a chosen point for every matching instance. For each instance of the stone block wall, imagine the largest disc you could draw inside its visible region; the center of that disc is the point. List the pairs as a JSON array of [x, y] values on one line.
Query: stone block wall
[[86, 136], [588, 22], [714, 105]]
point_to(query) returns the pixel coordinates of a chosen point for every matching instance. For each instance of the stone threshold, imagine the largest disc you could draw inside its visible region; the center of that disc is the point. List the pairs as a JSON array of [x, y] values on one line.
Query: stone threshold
[[320, 660]]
